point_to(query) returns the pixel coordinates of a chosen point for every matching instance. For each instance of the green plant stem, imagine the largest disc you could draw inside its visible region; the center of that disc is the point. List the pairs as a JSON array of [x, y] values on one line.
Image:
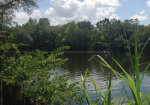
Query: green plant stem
[[109, 94], [137, 69]]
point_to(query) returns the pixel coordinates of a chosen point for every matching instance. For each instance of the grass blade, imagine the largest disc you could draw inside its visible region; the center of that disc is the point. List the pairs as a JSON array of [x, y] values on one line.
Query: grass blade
[[95, 84], [86, 94], [146, 97], [127, 79], [109, 88], [84, 88], [144, 47], [144, 73]]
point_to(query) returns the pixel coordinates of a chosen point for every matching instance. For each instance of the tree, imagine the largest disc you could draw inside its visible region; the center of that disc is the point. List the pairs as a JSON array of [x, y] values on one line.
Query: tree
[[71, 32], [8, 51], [103, 24], [83, 36], [8, 7], [22, 36], [15, 4], [45, 36]]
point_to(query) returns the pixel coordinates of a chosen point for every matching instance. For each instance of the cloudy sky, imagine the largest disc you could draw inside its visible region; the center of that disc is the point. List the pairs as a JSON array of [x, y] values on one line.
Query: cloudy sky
[[63, 11]]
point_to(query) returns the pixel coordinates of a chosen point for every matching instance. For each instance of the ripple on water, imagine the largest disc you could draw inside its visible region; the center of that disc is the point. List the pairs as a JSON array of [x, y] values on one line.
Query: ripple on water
[[78, 65]]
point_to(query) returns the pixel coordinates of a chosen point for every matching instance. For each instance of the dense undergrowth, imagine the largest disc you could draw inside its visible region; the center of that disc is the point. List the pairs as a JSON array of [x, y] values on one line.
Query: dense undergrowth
[[35, 73]]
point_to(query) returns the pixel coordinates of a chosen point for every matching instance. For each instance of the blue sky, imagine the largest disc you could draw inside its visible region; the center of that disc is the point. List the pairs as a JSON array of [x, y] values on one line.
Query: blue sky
[[130, 8], [63, 11]]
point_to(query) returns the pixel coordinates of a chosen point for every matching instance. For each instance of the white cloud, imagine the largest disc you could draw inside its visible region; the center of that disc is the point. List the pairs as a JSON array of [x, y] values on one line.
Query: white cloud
[[142, 12], [140, 18], [114, 16], [63, 11], [36, 14], [22, 17], [148, 3]]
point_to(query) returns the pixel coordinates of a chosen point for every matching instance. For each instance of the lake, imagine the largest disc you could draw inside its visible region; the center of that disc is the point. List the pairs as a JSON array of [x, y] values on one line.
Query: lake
[[78, 63]]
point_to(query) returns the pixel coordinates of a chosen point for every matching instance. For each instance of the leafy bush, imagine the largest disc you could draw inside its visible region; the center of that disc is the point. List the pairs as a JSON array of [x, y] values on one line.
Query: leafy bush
[[34, 72]]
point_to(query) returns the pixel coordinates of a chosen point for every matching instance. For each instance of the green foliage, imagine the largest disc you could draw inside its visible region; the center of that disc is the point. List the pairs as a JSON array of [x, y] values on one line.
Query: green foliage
[[8, 7], [105, 98], [35, 73], [71, 32], [133, 83], [107, 35], [8, 51]]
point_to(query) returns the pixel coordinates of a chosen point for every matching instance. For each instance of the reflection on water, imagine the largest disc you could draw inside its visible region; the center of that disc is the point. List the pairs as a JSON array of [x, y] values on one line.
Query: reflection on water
[[78, 63]]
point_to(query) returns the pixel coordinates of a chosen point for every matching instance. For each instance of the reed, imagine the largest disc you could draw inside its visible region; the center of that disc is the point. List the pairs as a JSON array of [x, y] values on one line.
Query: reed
[[133, 83]]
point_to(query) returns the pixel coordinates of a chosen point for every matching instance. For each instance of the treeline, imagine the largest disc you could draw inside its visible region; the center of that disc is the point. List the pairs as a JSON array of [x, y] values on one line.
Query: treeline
[[105, 35]]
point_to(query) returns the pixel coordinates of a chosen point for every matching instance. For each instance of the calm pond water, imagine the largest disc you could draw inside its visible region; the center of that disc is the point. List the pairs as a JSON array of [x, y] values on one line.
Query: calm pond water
[[78, 63]]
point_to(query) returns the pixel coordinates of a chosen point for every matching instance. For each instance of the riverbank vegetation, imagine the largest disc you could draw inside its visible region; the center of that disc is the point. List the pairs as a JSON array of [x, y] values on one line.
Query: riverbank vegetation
[[29, 54], [105, 35], [34, 71], [134, 83]]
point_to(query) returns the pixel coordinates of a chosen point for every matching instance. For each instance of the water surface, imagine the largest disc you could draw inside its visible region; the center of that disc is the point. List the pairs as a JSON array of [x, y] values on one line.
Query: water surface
[[78, 63]]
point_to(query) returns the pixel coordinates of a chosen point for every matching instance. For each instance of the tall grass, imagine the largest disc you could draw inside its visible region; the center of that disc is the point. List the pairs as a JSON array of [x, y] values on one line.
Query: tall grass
[[133, 83]]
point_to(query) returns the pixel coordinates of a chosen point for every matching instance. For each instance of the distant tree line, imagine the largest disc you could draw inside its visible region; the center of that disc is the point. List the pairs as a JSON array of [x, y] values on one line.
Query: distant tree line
[[34, 71], [105, 35]]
